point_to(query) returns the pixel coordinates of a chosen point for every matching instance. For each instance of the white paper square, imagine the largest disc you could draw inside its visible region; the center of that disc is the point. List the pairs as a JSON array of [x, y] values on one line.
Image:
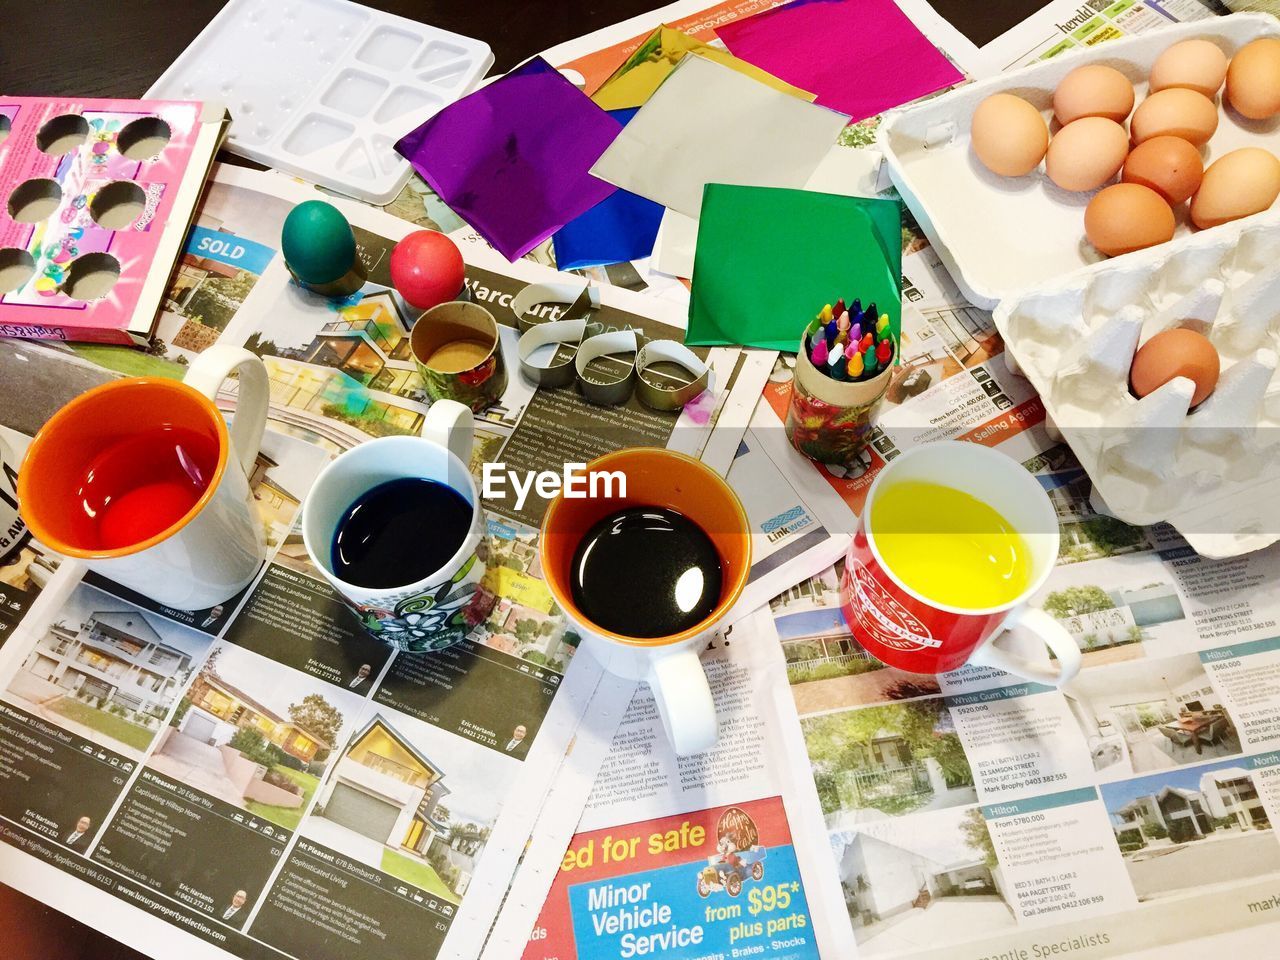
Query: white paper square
[[676, 244], [708, 123]]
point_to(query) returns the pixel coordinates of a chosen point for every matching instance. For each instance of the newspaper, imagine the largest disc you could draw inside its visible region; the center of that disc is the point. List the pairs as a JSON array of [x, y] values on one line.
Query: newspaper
[[975, 814], [688, 857], [986, 39], [366, 795]]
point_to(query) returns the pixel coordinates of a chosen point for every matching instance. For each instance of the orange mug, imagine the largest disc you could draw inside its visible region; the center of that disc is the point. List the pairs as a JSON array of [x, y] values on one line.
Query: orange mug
[[670, 665], [212, 548]]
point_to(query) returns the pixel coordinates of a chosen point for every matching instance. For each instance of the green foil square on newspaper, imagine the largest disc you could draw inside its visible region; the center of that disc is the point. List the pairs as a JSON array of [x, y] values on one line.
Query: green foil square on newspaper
[[768, 260]]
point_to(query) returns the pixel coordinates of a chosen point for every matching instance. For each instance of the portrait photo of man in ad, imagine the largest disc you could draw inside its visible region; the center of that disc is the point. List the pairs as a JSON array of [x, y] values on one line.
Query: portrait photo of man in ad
[[79, 836]]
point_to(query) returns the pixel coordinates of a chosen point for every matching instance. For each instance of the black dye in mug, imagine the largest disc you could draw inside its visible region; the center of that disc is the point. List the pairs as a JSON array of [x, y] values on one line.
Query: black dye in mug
[[399, 532], [646, 572]]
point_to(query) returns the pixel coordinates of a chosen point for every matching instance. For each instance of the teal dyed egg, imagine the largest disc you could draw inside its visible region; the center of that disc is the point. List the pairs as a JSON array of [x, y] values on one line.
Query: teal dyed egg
[[317, 242]]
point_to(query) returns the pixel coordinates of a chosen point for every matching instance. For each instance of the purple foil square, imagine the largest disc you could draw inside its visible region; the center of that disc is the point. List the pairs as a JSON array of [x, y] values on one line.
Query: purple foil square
[[512, 158]]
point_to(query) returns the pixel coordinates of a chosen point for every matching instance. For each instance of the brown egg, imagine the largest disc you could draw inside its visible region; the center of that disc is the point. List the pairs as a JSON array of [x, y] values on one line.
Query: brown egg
[[1175, 113], [1198, 65], [1086, 153], [1237, 184], [1126, 217], [1093, 91], [1253, 79], [1168, 165], [1175, 353], [1009, 135]]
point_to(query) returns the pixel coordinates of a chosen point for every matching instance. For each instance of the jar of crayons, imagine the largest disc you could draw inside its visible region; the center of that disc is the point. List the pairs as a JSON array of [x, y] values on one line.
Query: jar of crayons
[[842, 372]]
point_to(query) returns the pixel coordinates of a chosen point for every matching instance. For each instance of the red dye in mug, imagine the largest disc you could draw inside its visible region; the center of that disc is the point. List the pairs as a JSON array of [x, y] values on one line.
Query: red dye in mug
[[142, 485]]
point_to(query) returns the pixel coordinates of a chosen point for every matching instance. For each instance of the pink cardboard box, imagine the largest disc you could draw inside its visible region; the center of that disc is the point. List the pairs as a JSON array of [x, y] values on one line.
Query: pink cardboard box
[[138, 167]]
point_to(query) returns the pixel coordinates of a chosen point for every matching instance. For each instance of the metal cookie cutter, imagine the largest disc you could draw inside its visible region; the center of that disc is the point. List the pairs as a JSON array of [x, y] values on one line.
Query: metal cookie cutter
[[557, 373], [580, 301], [664, 398], [613, 392]]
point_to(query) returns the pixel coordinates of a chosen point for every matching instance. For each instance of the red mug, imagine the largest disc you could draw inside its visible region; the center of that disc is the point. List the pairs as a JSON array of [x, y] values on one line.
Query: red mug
[[905, 629]]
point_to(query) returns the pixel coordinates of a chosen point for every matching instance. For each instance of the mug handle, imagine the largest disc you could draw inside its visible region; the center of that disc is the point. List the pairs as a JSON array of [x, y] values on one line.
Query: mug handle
[[683, 696], [450, 424], [1041, 626], [206, 374]]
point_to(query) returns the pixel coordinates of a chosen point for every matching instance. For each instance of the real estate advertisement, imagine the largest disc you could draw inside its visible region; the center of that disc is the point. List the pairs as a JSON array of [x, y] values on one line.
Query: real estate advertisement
[[136, 747], [994, 815], [26, 565]]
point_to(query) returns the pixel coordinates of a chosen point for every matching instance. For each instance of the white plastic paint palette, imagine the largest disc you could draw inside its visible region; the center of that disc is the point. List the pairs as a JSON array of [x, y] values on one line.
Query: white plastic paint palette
[[1212, 472], [1000, 236], [324, 88]]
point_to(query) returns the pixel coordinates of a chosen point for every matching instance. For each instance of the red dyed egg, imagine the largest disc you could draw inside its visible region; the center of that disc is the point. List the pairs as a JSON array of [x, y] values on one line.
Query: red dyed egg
[[426, 269]]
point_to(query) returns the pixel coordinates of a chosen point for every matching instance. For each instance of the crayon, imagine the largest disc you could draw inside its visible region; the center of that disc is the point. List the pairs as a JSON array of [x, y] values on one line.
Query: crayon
[[819, 356], [849, 343]]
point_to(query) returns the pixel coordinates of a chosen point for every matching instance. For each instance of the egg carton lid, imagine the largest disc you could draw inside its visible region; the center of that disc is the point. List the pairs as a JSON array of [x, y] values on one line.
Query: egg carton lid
[[1000, 237]]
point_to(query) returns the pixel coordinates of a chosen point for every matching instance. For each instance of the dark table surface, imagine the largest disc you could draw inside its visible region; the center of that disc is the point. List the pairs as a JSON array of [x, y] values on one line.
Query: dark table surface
[[118, 49]]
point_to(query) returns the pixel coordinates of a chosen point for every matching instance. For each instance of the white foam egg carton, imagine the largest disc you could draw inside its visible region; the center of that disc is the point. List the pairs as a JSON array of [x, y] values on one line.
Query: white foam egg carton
[[999, 236], [1072, 319], [324, 88], [1213, 472]]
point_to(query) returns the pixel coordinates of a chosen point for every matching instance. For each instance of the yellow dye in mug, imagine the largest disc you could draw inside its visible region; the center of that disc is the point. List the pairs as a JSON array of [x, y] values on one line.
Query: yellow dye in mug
[[948, 546]]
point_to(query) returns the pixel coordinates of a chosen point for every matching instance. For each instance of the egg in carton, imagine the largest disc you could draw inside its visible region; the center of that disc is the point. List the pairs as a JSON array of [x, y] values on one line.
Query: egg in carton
[[1213, 470]]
